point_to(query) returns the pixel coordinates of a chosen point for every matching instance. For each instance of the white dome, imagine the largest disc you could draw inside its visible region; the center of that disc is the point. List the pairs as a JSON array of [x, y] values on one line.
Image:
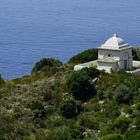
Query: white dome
[[114, 42]]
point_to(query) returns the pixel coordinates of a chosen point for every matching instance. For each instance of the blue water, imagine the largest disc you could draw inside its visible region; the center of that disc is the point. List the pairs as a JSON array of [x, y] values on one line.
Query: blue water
[[32, 29]]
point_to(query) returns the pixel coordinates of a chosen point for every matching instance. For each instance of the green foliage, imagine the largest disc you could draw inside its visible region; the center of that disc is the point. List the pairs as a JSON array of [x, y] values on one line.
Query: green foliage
[[80, 86], [138, 106], [112, 110], [86, 56], [136, 54], [47, 64], [69, 109], [43, 134], [1, 80], [76, 131], [122, 75], [72, 132], [132, 134], [31, 107], [122, 123], [36, 105], [112, 137], [55, 121], [123, 95], [89, 121], [62, 133], [92, 72]]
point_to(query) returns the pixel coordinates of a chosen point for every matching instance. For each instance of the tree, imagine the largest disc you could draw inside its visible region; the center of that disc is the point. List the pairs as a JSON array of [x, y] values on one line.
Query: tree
[[80, 86], [92, 72], [46, 64], [69, 109], [85, 56], [122, 123], [123, 95], [112, 137], [36, 105]]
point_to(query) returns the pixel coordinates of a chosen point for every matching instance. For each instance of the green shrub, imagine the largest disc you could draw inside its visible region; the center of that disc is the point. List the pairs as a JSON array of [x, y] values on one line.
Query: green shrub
[[122, 75], [55, 121], [1, 80], [122, 123], [80, 86], [127, 109], [44, 134], [138, 106], [112, 110], [62, 133], [36, 105], [69, 109], [112, 137], [132, 134], [136, 54], [47, 64], [88, 120], [123, 95], [76, 131], [87, 55], [92, 72]]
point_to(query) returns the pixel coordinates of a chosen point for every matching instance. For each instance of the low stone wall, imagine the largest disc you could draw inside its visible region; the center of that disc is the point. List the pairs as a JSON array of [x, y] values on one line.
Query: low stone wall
[[84, 65], [94, 64], [136, 63], [134, 71]]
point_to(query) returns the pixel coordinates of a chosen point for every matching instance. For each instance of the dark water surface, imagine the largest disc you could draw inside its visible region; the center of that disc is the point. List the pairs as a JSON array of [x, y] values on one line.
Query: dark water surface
[[32, 29]]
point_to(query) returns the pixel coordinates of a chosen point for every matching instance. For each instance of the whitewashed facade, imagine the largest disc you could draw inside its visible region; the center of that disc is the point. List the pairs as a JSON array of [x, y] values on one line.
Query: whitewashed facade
[[114, 54]]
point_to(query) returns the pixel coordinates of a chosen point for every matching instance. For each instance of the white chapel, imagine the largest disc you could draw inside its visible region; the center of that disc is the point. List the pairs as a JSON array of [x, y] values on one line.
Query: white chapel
[[114, 54]]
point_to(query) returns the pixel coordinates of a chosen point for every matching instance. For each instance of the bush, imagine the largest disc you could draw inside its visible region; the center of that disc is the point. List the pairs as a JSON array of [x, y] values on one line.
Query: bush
[[88, 120], [76, 131], [80, 86], [36, 105], [136, 54], [46, 64], [92, 72], [43, 134], [54, 121], [1, 80], [132, 134], [112, 137], [123, 95], [87, 55], [69, 109], [62, 133], [112, 110], [122, 123]]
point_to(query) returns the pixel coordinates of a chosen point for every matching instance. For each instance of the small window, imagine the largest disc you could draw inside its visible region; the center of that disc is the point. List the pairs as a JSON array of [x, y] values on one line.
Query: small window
[[109, 55]]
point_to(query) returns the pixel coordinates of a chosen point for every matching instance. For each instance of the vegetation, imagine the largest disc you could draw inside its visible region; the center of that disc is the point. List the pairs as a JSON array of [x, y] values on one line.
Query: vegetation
[[47, 64], [80, 86], [67, 105], [69, 109], [88, 55], [136, 54]]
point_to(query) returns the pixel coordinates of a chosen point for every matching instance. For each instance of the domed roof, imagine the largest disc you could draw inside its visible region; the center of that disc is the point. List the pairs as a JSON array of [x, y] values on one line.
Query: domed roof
[[114, 42]]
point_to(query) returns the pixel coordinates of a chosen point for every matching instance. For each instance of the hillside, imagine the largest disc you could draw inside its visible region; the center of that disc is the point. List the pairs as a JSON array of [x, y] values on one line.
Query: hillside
[[56, 103]]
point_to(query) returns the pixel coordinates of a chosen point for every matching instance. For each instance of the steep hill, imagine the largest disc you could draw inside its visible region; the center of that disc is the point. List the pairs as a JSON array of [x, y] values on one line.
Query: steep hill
[[56, 103]]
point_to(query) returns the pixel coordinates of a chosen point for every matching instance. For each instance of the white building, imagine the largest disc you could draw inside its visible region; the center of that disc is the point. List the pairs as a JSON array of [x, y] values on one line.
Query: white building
[[114, 54]]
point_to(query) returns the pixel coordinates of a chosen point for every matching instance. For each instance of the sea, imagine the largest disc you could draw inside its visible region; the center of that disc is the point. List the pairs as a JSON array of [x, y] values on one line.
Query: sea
[[33, 29]]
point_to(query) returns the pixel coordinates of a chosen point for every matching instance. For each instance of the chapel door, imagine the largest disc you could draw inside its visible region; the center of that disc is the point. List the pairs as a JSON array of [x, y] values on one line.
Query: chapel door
[[125, 64]]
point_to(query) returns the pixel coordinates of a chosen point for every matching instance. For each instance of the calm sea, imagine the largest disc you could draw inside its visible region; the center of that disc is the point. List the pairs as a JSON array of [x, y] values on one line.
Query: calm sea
[[32, 29]]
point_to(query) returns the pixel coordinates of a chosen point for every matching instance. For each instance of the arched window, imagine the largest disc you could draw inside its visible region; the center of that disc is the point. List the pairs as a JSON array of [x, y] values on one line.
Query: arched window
[[109, 55]]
